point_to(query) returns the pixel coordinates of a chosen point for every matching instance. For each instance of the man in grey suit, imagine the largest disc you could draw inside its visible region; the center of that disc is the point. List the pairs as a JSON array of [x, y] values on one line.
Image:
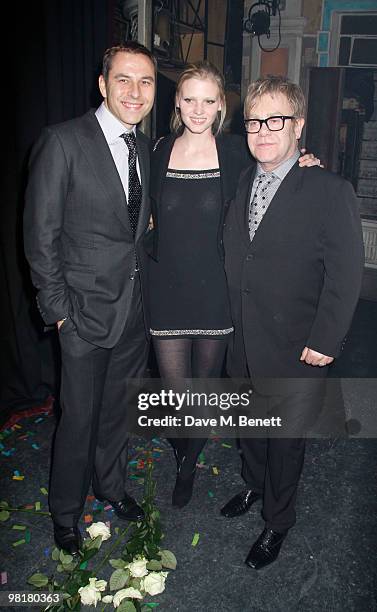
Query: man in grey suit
[[87, 210]]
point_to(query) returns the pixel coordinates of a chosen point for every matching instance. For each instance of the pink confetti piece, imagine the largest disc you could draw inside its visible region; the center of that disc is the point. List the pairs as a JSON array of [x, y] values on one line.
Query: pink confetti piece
[[3, 577]]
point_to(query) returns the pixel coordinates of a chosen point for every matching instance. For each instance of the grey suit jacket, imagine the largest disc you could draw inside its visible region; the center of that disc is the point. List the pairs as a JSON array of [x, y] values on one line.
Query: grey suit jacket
[[77, 234]]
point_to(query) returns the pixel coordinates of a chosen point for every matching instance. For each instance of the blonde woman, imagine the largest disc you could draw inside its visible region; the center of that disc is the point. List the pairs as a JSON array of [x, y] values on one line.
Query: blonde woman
[[194, 177]]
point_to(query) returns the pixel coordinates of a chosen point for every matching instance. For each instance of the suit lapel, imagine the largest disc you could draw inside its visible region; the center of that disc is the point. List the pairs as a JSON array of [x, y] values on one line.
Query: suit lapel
[[280, 203], [242, 201], [144, 165], [96, 149]]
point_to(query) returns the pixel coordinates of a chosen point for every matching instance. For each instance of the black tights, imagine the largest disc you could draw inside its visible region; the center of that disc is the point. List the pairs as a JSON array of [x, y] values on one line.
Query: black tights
[[179, 358]]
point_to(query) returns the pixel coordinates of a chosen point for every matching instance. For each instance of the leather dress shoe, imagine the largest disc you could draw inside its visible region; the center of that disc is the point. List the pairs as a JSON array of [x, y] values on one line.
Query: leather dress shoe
[[265, 549], [68, 539], [240, 503], [127, 508]]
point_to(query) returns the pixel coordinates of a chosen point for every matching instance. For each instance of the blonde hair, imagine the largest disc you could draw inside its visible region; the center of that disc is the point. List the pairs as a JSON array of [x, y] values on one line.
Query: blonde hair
[[200, 70], [275, 85]]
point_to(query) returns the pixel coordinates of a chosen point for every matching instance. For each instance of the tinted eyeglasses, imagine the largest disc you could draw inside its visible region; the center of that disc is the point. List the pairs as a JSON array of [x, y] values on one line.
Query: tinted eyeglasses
[[274, 124]]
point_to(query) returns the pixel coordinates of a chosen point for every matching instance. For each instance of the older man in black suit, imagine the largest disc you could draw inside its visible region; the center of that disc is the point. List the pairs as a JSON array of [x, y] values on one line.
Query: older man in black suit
[[87, 209], [294, 260]]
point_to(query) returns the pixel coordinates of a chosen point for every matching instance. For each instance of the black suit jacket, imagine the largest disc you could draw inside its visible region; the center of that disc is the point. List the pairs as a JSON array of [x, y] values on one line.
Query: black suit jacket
[[233, 158], [78, 238], [297, 283]]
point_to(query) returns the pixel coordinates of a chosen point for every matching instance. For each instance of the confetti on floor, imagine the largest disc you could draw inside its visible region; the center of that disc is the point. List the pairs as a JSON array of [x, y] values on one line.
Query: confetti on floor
[[19, 542], [43, 490], [195, 539], [3, 577], [88, 518], [215, 470]]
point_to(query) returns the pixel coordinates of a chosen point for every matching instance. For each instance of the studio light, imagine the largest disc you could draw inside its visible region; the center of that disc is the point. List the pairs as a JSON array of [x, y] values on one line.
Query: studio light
[[258, 22]]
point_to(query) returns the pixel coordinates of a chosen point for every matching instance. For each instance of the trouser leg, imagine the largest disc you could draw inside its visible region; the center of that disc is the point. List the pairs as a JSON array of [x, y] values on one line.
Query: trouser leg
[[84, 369], [128, 361]]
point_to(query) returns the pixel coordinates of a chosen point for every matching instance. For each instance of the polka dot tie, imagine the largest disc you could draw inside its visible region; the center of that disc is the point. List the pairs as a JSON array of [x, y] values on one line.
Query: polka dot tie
[[260, 201], [134, 186]]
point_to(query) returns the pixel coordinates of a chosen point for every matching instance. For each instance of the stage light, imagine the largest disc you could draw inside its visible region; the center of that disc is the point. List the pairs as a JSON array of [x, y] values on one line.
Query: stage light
[[258, 22]]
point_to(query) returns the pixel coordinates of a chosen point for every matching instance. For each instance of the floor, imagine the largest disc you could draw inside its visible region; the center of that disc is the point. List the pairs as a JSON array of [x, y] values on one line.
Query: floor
[[327, 563]]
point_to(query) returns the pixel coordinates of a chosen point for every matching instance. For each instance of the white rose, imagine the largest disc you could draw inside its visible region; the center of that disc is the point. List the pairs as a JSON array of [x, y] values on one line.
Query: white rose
[[138, 568], [89, 595], [131, 593], [107, 599], [154, 583], [97, 529], [99, 584]]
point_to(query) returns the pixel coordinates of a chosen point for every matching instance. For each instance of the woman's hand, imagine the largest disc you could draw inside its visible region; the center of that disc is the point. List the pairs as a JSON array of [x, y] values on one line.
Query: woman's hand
[[308, 159]]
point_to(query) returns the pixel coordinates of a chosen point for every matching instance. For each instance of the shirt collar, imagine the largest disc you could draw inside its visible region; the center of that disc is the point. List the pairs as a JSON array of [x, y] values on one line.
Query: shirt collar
[[111, 126], [282, 170]]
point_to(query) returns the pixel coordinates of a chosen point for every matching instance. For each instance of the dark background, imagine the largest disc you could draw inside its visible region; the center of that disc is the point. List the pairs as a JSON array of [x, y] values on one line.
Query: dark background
[[51, 59]]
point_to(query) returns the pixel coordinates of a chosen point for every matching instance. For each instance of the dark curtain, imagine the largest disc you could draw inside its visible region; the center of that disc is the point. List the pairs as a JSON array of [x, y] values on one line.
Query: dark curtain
[[50, 73]]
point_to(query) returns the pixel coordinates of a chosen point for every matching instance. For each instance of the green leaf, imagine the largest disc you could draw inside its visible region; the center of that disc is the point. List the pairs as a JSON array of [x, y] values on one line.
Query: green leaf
[[64, 558], [154, 565], [74, 603], [117, 563], [4, 504], [95, 543], [126, 606], [4, 515], [168, 559], [118, 579], [72, 587], [55, 554], [38, 580], [135, 583], [82, 576], [88, 554], [60, 568]]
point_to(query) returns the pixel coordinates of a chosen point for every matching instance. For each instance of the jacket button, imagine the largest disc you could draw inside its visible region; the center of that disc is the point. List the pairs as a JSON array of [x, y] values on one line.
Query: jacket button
[[131, 276], [250, 257]]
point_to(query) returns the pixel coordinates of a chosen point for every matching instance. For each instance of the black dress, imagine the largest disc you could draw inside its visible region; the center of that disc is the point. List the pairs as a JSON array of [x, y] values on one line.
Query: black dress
[[188, 291]]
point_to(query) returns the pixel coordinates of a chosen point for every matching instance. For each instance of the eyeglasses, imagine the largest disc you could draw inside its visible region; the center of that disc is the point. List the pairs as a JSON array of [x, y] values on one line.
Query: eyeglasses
[[274, 124]]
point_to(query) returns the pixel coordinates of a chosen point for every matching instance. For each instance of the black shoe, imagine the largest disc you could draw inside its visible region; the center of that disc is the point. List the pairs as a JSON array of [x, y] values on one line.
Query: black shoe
[[183, 488], [240, 503], [266, 549], [184, 483], [127, 508], [68, 539]]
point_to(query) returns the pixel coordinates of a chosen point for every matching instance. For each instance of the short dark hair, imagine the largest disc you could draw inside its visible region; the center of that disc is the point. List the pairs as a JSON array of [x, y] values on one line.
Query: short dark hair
[[130, 46]]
